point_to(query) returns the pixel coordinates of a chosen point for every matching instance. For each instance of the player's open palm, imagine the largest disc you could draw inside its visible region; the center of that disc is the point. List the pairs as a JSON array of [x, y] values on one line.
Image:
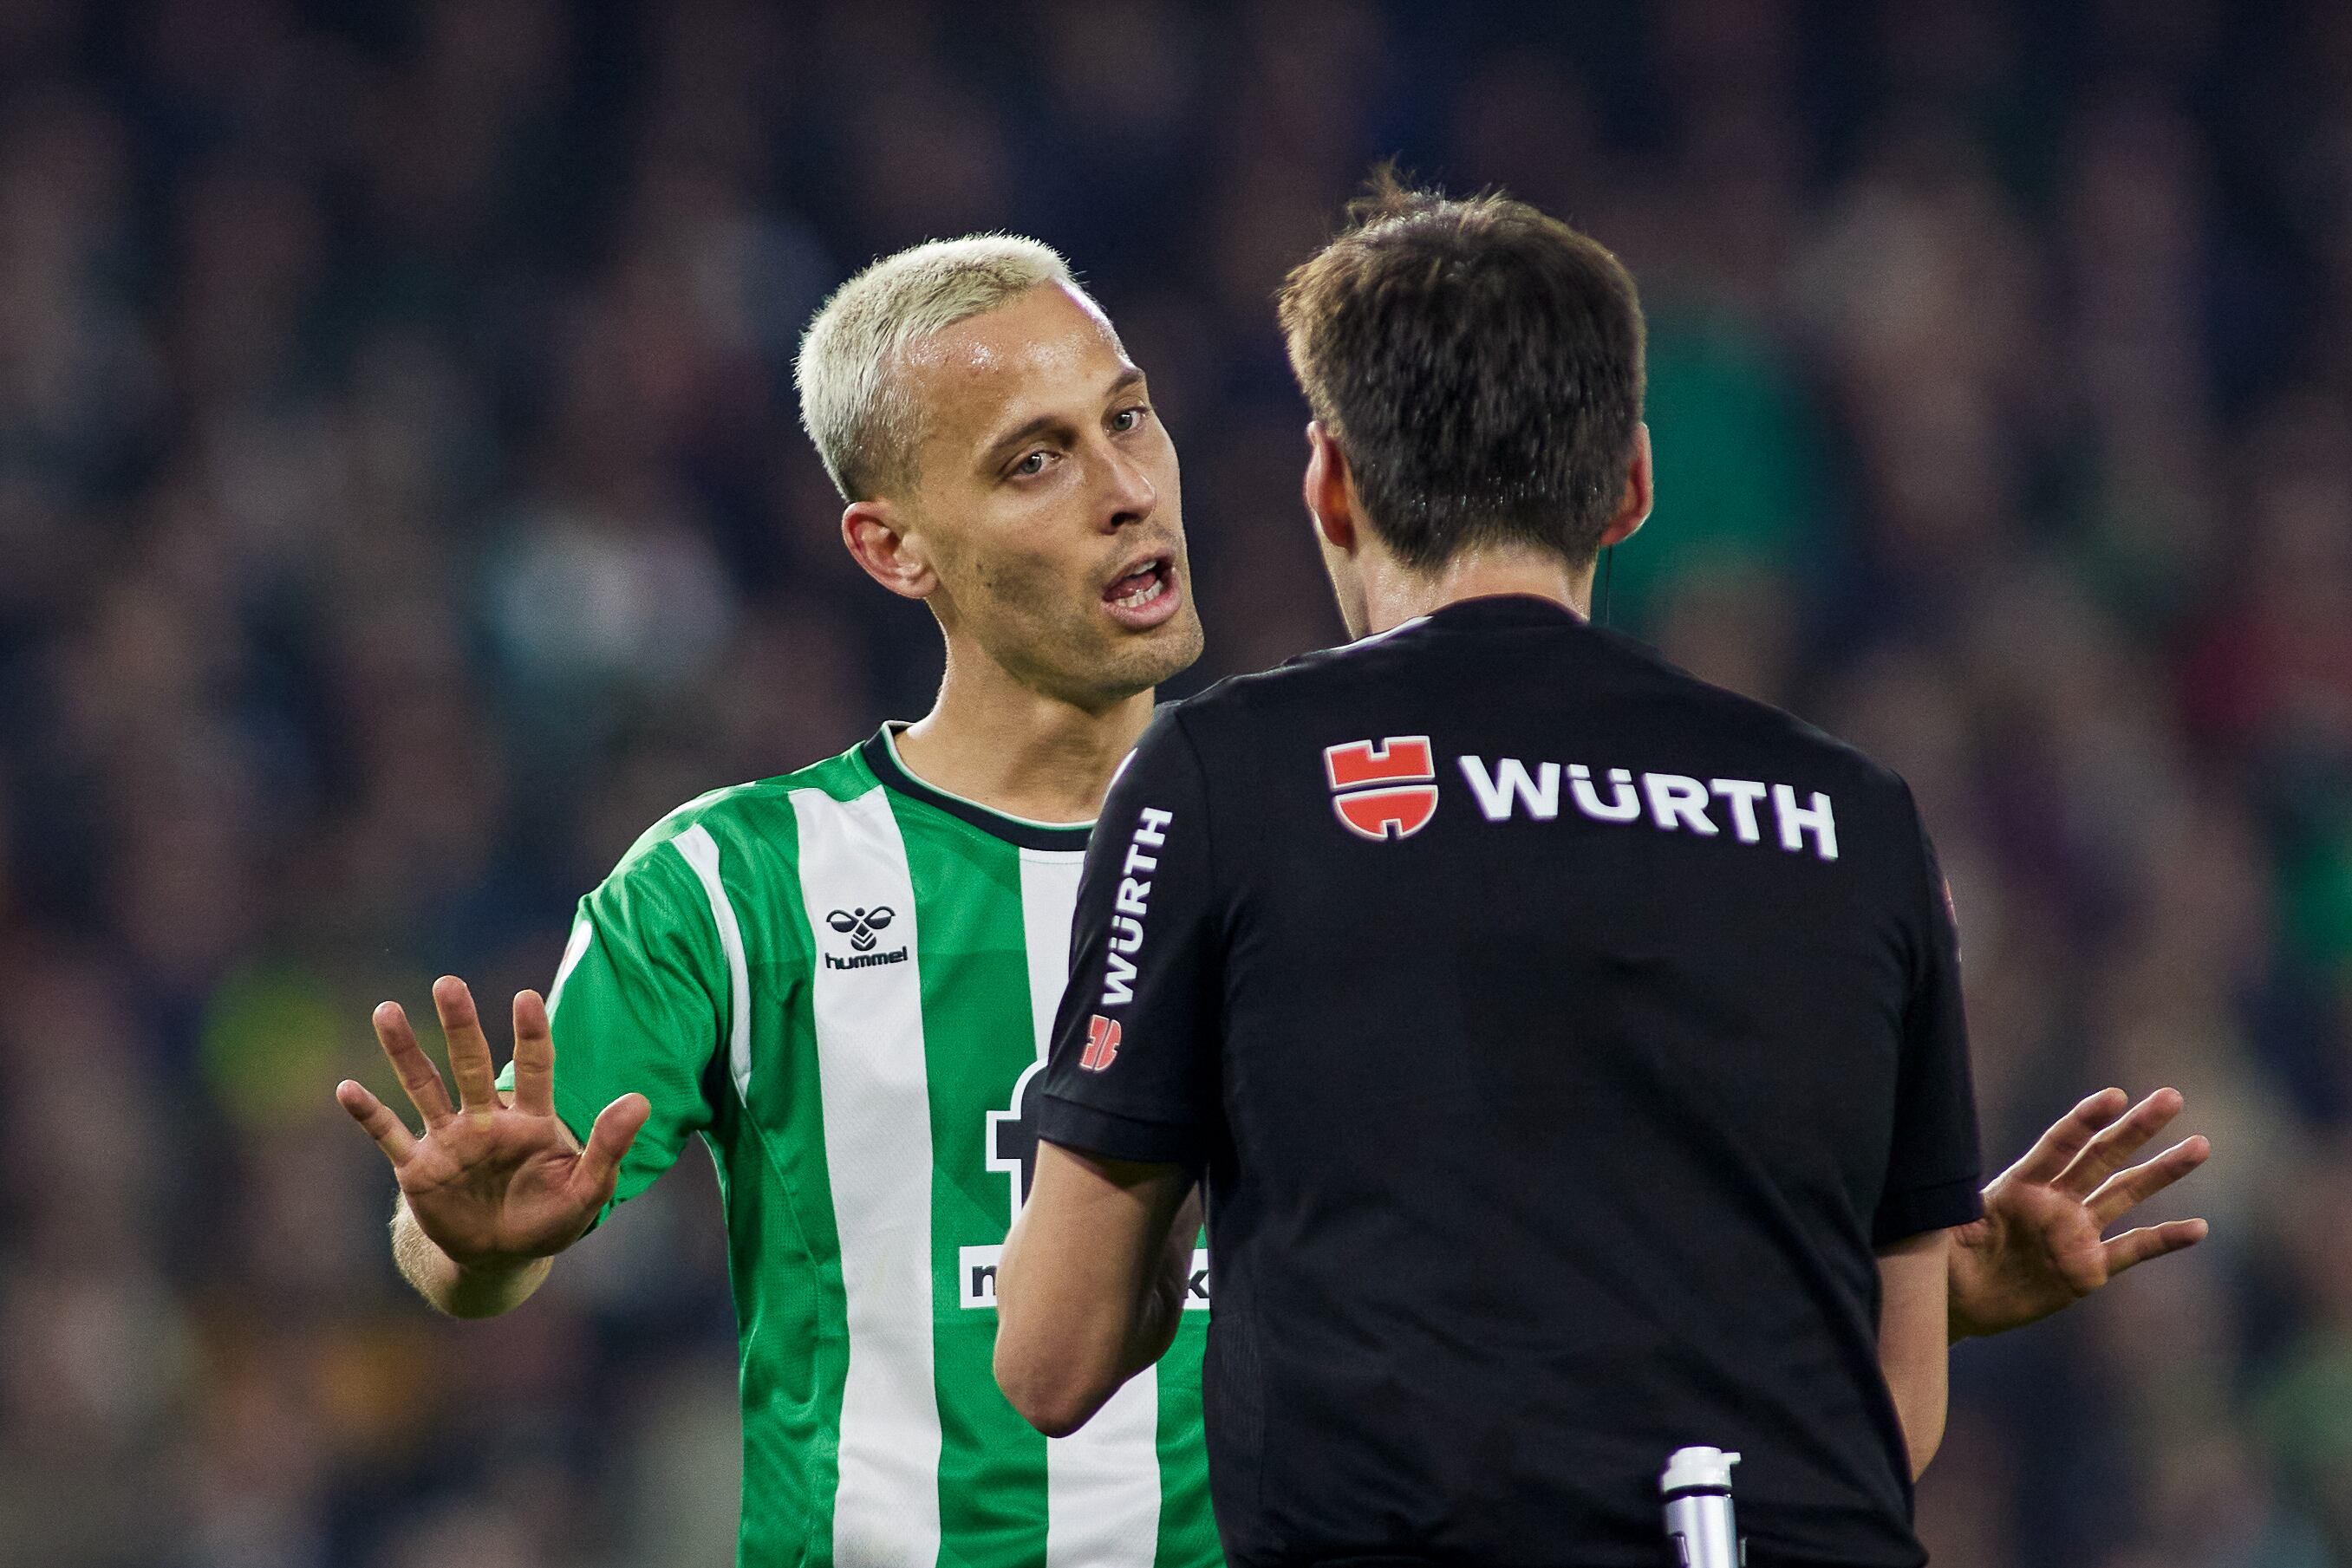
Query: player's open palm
[[493, 1180]]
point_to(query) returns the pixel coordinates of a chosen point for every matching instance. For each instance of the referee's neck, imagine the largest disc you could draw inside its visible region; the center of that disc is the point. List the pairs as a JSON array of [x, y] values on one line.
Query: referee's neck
[[1394, 594]]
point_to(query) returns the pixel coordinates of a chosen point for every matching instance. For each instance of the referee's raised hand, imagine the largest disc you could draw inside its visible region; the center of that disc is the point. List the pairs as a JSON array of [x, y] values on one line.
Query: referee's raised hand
[[2041, 1244], [496, 1183]]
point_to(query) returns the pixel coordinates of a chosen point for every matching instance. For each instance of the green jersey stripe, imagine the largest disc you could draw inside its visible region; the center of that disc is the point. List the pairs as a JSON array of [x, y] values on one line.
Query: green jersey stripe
[[701, 852], [1187, 1528], [1102, 1481], [868, 1010], [976, 1033]]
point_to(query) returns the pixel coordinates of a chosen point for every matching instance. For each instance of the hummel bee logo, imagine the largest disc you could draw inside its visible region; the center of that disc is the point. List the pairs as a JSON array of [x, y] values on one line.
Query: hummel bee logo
[[863, 928], [861, 924]]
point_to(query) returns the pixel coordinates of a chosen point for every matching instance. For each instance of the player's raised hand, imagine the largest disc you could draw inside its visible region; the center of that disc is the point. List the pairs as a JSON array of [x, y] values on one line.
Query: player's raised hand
[[494, 1182], [2041, 1244]]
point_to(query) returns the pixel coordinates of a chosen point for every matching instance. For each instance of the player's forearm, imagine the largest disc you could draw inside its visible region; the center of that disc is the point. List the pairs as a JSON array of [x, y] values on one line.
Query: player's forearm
[[447, 1287]]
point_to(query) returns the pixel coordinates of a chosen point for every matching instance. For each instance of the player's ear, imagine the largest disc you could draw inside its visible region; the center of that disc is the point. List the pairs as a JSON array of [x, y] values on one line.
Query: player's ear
[[877, 539], [1633, 503], [1329, 490]]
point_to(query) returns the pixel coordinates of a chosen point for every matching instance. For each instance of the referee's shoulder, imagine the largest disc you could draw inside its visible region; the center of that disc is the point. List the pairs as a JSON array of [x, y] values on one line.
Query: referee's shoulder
[[1222, 716], [1756, 724], [1299, 680], [1242, 710]]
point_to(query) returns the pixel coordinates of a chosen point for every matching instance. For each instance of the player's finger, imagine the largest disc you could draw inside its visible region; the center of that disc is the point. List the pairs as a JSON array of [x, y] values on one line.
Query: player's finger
[[2121, 1191], [534, 1057], [616, 1128], [2113, 1149], [469, 1048], [2136, 1247], [419, 1080], [391, 1134], [2069, 1135]]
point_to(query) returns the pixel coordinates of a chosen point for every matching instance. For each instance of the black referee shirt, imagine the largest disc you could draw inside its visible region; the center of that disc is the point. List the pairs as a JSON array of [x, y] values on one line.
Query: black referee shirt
[[1559, 1035]]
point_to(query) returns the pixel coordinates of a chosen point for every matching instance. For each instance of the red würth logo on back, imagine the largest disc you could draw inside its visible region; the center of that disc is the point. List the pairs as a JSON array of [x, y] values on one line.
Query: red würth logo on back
[[1384, 792], [1102, 1043]]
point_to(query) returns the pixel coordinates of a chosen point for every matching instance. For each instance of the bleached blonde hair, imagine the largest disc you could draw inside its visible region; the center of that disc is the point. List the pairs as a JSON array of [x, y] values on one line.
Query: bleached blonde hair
[[850, 403]]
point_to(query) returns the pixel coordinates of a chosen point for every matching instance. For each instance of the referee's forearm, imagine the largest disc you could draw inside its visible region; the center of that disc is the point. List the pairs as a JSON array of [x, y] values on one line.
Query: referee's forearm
[[1060, 1353], [1087, 1290], [1162, 1310]]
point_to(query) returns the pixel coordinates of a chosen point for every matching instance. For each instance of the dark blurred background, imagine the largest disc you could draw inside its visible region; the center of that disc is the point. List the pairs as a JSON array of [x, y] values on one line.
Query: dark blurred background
[[402, 504]]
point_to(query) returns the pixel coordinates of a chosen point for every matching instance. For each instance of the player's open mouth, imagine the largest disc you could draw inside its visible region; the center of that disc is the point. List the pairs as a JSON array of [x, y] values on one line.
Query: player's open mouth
[[1145, 596]]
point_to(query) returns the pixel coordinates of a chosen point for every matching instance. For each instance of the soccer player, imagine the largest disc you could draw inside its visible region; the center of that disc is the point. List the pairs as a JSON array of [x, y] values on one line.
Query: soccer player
[[1572, 1051], [842, 978]]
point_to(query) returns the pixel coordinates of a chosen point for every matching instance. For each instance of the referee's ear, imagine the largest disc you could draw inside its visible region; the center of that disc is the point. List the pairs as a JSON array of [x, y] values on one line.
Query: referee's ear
[[1330, 492], [1633, 503]]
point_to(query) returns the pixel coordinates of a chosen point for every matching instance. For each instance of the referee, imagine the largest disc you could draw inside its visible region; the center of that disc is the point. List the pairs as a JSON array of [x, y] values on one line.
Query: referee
[[1572, 1050]]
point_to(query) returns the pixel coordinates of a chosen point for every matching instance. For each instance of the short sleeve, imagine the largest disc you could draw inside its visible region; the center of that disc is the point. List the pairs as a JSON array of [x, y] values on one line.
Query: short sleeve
[[1933, 1169], [639, 1006], [1133, 1069]]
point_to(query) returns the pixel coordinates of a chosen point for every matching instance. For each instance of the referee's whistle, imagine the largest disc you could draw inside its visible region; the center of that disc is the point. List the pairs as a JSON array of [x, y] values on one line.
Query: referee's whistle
[[1697, 1488]]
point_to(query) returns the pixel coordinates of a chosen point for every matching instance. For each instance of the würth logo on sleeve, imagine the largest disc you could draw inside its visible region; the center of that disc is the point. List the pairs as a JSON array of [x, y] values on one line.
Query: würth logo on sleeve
[[1102, 1043], [1384, 792]]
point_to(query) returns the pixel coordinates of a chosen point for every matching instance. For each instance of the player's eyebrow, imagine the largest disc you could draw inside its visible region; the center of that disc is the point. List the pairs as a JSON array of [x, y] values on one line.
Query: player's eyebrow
[[1001, 448]]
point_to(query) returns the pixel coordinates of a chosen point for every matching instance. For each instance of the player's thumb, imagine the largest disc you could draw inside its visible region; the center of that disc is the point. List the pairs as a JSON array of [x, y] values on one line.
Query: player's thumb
[[616, 1128]]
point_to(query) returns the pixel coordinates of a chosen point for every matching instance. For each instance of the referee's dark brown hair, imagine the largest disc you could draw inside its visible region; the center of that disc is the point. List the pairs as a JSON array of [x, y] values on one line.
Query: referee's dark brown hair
[[1480, 365]]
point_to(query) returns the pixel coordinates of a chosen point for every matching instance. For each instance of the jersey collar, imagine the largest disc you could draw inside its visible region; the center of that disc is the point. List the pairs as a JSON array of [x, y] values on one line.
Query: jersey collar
[[881, 754], [1504, 610]]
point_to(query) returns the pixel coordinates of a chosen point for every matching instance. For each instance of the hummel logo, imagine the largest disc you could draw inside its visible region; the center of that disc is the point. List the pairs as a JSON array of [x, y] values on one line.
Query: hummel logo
[[1407, 796], [860, 924]]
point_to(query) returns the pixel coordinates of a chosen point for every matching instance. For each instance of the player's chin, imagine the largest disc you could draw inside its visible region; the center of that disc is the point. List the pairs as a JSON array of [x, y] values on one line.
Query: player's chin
[[1174, 646], [1142, 658]]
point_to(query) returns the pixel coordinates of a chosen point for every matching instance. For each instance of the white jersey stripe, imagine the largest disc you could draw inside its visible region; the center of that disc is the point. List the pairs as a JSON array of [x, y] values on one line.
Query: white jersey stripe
[[877, 1150], [1102, 1481], [1049, 903], [584, 932], [701, 852]]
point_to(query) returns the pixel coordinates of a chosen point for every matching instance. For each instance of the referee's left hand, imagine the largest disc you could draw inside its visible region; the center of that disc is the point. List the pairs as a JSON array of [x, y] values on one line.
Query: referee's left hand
[[2039, 1247]]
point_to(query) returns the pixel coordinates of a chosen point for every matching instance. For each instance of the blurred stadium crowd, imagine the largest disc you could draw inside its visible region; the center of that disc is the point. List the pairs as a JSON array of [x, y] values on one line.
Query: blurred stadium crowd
[[402, 504]]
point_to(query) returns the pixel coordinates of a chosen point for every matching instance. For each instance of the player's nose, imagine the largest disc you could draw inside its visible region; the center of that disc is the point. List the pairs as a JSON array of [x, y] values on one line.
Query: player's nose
[[1128, 494]]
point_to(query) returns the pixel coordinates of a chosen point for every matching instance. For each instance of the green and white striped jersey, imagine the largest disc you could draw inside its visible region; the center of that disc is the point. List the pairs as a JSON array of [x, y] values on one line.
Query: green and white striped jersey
[[844, 980]]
